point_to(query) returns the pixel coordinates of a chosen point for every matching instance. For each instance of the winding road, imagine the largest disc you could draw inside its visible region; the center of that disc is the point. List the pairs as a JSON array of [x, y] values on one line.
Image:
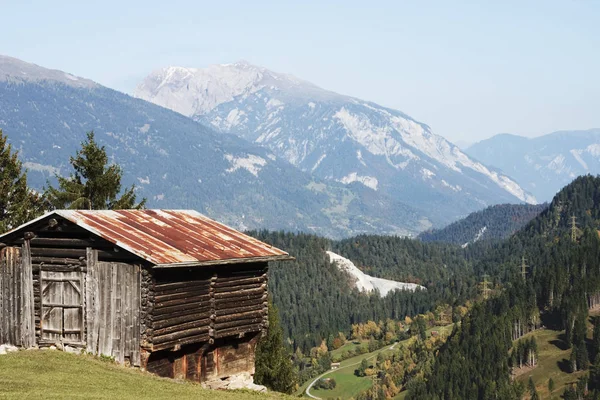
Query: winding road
[[346, 366]]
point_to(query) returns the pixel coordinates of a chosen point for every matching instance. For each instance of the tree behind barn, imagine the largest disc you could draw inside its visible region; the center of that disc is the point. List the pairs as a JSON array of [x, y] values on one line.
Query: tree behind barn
[[18, 203], [93, 185], [273, 361]]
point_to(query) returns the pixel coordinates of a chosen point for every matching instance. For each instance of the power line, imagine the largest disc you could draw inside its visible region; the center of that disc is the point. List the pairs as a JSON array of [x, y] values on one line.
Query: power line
[[573, 228], [524, 267], [484, 287]]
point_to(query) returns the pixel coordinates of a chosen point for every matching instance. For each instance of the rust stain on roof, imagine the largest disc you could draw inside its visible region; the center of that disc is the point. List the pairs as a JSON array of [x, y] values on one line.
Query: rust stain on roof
[[171, 236]]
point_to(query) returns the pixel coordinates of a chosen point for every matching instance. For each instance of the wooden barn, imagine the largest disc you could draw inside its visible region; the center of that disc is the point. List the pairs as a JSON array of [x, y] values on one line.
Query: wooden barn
[[173, 292]]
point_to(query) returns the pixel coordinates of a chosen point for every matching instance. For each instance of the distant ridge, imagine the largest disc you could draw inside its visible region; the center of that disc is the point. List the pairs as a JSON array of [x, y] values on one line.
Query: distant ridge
[[335, 137], [178, 163], [15, 70], [495, 222], [542, 165]]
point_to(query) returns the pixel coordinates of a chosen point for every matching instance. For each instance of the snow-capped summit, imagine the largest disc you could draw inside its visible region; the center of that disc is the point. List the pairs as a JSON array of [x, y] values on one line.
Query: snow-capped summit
[[197, 91], [334, 136]]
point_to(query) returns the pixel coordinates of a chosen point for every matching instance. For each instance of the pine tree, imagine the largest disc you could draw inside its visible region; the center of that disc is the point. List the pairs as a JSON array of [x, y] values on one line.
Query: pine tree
[[18, 203], [273, 361], [532, 390], [94, 185], [551, 385], [596, 340]]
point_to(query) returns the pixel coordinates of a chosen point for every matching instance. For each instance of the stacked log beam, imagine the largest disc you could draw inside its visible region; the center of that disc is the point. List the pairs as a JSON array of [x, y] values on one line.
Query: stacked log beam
[[180, 313], [204, 305], [240, 296]]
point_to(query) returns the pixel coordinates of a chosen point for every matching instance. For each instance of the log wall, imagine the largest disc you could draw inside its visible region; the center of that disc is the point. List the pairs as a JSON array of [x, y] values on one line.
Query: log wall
[[182, 307], [204, 323], [199, 323]]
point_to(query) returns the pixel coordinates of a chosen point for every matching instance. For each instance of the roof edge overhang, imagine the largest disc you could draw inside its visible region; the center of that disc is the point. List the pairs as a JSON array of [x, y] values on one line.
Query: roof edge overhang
[[193, 264], [13, 231], [66, 214]]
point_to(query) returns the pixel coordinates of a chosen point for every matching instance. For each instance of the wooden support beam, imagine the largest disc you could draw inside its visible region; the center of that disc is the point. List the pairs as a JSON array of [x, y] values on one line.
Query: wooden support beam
[[182, 327], [241, 293], [179, 335], [239, 316], [243, 281], [237, 324], [238, 331], [180, 342], [181, 313], [57, 260], [183, 294]]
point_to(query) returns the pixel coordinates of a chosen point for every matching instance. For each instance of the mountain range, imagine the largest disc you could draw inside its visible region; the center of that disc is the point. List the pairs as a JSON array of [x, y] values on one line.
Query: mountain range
[[253, 148], [179, 163], [334, 137], [542, 165]]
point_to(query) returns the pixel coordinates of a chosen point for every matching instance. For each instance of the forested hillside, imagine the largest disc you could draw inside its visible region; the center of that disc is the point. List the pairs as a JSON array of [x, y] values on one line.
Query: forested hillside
[[315, 299], [495, 222], [548, 273]]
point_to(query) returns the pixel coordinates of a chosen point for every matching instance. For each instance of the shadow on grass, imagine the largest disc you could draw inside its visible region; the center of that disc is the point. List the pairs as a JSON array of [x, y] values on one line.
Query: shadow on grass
[[561, 344], [564, 365], [552, 320]]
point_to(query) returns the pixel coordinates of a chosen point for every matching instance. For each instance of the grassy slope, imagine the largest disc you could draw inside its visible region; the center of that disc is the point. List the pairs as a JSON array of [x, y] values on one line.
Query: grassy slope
[[349, 385], [56, 375], [349, 346], [552, 355]]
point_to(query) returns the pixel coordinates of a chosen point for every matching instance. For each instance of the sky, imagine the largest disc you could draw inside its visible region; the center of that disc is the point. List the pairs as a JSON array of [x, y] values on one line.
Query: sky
[[468, 69]]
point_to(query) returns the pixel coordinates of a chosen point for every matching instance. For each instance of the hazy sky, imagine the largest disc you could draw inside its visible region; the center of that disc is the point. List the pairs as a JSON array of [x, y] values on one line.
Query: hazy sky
[[468, 69]]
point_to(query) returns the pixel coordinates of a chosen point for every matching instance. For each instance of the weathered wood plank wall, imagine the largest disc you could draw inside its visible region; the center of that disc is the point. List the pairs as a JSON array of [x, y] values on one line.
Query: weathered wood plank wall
[[113, 309], [16, 297]]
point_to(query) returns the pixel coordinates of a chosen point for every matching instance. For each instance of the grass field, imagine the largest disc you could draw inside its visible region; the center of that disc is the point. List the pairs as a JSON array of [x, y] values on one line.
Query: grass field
[[47, 374], [349, 385], [553, 355], [349, 346]]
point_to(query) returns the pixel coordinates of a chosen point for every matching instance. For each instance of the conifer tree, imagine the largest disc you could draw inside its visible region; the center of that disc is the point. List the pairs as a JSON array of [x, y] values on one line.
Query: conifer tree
[[596, 340], [18, 203], [532, 390], [94, 185], [551, 385], [273, 361]]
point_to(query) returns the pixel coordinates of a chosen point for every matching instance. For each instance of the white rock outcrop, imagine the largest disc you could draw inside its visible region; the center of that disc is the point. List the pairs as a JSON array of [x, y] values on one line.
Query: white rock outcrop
[[235, 382], [368, 283]]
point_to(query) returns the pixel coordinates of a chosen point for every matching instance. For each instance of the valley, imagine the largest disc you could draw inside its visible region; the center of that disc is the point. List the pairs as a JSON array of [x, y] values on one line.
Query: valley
[[355, 253]]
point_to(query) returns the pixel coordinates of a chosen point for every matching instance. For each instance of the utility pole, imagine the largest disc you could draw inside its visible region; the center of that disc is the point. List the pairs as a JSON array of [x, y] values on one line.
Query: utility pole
[[484, 287], [573, 228], [524, 267]]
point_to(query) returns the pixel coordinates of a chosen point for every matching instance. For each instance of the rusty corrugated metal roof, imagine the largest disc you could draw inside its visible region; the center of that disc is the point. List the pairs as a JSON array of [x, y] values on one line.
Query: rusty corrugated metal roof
[[172, 237]]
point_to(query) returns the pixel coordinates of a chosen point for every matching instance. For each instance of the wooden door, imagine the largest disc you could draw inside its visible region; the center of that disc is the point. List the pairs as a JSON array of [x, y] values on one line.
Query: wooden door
[[113, 309], [62, 307]]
